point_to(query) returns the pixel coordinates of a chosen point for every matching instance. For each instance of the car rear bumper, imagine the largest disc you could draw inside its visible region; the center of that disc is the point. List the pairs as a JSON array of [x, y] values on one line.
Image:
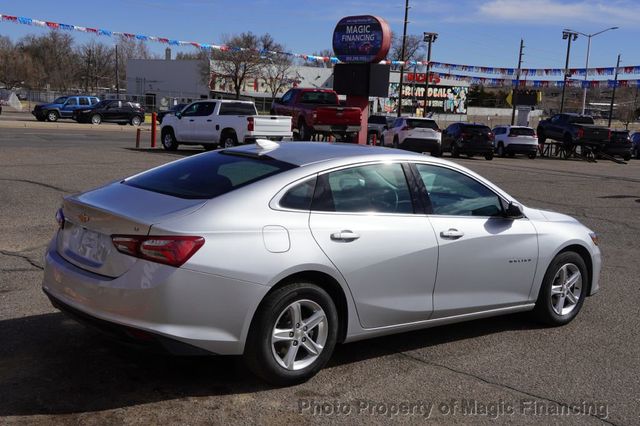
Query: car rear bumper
[[204, 311], [521, 148], [471, 148], [331, 128], [420, 145]]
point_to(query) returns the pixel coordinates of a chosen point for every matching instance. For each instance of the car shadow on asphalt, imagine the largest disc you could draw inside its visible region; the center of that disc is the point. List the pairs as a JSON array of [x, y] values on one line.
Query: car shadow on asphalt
[[50, 364]]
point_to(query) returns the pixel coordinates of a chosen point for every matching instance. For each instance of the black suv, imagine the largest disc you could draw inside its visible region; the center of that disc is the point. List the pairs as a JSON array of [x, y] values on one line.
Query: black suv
[[114, 111], [619, 144], [469, 139]]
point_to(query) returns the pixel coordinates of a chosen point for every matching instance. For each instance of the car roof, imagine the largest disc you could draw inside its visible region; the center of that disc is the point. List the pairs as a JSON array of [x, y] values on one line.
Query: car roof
[[305, 153]]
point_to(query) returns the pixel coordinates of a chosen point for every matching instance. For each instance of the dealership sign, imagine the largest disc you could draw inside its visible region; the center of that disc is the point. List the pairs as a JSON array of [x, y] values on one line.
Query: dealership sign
[[361, 39]]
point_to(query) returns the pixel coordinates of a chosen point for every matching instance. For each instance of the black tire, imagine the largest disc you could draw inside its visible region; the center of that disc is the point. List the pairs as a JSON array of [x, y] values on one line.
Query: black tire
[[627, 157], [500, 150], [259, 352], [544, 309], [96, 119], [135, 121], [304, 131], [532, 155], [455, 152], [169, 142], [228, 139], [488, 156], [52, 116]]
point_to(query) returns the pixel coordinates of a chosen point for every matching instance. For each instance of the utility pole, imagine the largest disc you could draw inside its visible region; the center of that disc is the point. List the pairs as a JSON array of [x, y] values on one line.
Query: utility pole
[[117, 75], [513, 95], [429, 38], [613, 92], [414, 95], [402, 52], [569, 36]]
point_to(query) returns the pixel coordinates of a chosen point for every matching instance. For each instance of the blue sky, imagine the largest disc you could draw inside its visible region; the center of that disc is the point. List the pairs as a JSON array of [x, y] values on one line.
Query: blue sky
[[475, 32]]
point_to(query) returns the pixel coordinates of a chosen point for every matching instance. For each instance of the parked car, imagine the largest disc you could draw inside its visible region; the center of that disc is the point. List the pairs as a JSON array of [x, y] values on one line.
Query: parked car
[[619, 145], [281, 251], [376, 124], [414, 134], [172, 110], [63, 107], [469, 139], [512, 140], [573, 129], [221, 123], [112, 111], [318, 111], [635, 148]]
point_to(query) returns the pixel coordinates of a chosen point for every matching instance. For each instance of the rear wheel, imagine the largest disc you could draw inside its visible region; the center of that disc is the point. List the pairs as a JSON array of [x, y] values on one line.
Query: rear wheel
[[455, 152], [304, 131], [488, 156], [169, 142], [500, 150], [292, 335], [532, 155], [563, 290], [229, 139], [96, 119], [52, 116], [135, 121]]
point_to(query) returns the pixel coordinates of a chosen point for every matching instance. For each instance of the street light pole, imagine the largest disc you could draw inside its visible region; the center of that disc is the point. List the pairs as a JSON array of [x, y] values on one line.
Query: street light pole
[[569, 36], [513, 96], [613, 93], [402, 53], [117, 74], [429, 38], [586, 67]]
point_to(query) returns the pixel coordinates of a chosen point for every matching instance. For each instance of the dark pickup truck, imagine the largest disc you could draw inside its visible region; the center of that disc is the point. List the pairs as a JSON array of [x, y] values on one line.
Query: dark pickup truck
[[318, 111], [573, 129]]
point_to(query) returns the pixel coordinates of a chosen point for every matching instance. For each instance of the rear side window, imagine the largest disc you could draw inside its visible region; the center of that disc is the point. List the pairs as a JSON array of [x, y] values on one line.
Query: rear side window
[[237, 108], [299, 197], [320, 98], [84, 101], [378, 188], [581, 120], [208, 176], [422, 124]]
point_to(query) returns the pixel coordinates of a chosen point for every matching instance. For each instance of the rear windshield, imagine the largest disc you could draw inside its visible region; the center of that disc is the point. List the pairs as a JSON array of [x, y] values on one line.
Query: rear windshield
[[521, 131], [581, 120], [321, 98], [378, 119], [237, 108], [423, 124], [208, 175], [476, 129]]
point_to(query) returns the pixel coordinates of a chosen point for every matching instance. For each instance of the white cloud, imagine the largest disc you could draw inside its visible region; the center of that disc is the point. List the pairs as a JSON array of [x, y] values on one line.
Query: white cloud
[[605, 12]]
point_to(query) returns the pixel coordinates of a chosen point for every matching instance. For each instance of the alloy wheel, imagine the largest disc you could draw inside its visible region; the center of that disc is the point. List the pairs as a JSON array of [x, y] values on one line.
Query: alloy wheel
[[299, 335], [566, 289]]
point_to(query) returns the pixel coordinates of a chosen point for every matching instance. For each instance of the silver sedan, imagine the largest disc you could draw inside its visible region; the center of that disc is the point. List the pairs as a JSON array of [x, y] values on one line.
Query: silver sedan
[[281, 251]]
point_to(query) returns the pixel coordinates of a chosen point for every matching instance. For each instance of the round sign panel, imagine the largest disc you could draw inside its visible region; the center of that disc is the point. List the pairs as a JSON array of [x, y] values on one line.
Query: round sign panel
[[361, 39]]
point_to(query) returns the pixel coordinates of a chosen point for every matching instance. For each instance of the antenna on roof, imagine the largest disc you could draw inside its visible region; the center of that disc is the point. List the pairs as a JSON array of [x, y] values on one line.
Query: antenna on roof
[[266, 145]]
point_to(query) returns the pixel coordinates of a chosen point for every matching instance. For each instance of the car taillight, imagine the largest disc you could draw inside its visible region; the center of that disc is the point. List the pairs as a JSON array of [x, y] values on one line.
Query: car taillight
[[491, 137], [465, 135], [581, 133], [250, 124], [169, 250]]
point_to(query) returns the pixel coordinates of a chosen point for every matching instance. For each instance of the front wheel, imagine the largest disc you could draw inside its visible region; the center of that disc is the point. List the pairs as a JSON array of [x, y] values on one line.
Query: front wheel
[[52, 116], [169, 142], [96, 119], [136, 121], [292, 335], [564, 288]]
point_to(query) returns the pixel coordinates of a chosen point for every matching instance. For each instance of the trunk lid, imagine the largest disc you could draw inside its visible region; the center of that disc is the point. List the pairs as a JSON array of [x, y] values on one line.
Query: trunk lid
[[93, 217], [271, 125], [338, 116]]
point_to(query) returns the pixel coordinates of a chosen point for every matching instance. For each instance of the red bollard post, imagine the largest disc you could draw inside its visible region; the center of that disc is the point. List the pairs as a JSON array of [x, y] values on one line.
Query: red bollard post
[[154, 120], [138, 130]]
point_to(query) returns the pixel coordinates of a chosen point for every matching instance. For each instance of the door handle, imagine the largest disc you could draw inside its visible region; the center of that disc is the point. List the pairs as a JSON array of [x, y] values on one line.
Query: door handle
[[346, 236], [452, 234], [191, 119], [209, 121]]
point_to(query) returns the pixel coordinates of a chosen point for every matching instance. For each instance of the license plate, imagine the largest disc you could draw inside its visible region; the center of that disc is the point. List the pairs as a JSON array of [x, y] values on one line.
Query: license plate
[[88, 244]]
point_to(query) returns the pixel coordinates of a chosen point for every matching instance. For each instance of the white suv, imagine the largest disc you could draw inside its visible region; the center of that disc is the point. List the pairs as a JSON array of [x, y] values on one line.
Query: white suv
[[512, 140], [414, 134]]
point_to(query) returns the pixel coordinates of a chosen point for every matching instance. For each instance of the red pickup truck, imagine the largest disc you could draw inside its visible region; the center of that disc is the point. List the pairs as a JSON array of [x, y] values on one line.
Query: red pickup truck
[[318, 111]]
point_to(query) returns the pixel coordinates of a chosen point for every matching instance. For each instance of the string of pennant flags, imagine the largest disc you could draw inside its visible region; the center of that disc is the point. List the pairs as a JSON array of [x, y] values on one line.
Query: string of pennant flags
[[449, 70]]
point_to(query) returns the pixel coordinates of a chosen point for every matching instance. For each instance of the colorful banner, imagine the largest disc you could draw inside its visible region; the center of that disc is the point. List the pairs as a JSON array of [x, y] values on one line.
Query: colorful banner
[[557, 74]]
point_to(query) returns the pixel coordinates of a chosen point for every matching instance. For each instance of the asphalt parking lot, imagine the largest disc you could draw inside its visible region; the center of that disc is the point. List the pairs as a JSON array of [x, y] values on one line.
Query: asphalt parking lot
[[53, 370]]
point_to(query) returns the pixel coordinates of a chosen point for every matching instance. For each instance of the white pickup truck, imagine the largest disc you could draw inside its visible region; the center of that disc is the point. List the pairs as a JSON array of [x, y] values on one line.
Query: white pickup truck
[[221, 123]]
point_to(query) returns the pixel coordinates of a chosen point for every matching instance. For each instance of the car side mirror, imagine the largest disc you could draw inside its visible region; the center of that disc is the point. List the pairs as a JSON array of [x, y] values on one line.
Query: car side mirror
[[178, 115], [514, 211]]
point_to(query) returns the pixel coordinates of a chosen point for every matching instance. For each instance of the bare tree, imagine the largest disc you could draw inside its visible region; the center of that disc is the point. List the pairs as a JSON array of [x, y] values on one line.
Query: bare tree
[[53, 53], [96, 65], [17, 69], [244, 58], [130, 49], [276, 73], [414, 49]]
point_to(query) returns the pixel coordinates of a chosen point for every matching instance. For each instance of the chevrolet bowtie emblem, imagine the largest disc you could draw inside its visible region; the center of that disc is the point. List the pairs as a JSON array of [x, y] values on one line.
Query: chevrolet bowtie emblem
[[84, 218]]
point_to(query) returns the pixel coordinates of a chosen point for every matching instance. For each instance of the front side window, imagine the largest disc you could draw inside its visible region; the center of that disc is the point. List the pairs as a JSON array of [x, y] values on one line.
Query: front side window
[[454, 194], [191, 110], [380, 188], [72, 102]]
